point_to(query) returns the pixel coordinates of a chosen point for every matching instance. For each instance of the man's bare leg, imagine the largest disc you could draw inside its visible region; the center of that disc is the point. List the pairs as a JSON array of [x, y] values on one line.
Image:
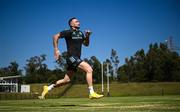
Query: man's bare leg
[[89, 71], [64, 81], [87, 68]]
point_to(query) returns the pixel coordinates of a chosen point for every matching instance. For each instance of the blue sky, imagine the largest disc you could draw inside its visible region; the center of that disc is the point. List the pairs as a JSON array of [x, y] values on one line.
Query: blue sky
[[27, 26]]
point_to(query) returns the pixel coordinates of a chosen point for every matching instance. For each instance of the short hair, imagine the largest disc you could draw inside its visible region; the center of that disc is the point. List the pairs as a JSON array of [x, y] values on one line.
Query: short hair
[[69, 22]]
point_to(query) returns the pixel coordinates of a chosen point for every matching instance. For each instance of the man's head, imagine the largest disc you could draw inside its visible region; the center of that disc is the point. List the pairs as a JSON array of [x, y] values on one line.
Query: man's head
[[73, 22]]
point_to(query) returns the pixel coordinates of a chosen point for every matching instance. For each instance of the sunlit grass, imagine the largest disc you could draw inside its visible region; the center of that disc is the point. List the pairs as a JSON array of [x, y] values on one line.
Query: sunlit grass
[[106, 104]]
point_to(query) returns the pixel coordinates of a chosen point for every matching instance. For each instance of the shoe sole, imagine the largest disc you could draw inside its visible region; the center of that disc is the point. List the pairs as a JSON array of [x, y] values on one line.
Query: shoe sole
[[96, 97], [41, 98]]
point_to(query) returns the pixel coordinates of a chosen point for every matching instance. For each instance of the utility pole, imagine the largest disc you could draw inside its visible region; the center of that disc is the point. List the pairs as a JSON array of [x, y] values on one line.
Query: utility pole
[[108, 74], [102, 79]]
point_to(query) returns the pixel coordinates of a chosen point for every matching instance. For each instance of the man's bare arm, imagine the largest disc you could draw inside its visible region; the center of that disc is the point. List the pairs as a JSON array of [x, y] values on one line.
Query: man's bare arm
[[55, 44]]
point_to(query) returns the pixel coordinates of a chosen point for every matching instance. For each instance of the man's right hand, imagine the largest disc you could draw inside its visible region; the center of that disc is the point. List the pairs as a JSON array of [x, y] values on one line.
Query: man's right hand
[[56, 54]]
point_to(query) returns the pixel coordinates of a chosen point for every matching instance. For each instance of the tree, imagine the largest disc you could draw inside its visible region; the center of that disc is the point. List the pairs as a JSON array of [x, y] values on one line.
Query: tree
[[11, 70], [139, 70], [36, 70], [158, 64], [123, 74], [96, 65], [62, 64], [108, 64], [115, 62]]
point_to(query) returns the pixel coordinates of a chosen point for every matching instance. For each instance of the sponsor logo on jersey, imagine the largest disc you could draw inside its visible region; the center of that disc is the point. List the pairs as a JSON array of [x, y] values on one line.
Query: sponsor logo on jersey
[[76, 35]]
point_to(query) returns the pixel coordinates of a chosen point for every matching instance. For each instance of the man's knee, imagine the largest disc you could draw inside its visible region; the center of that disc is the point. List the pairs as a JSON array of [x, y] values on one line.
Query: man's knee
[[89, 69], [86, 67], [66, 80]]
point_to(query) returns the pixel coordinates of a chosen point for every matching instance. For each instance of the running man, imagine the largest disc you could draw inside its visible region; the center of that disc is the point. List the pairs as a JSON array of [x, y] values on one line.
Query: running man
[[74, 39]]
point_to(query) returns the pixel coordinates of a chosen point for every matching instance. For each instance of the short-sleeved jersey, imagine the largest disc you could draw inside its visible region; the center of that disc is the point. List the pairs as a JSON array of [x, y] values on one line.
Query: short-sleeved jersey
[[74, 40]]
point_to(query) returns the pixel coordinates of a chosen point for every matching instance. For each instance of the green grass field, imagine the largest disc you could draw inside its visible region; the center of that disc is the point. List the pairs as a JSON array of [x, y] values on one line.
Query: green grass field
[[106, 104]]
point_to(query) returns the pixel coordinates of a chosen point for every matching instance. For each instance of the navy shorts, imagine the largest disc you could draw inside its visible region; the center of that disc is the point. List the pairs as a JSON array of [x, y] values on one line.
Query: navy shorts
[[73, 62]]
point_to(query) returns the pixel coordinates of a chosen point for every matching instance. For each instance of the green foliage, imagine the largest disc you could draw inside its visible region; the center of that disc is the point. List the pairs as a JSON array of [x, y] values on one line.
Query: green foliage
[[96, 65], [115, 62], [61, 62], [11, 70], [158, 64], [38, 72]]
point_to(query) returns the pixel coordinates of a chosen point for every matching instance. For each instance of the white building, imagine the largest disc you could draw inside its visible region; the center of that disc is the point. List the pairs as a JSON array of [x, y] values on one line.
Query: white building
[[9, 83]]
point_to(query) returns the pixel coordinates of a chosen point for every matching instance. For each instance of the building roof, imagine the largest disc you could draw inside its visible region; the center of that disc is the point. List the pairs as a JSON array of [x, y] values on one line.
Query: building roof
[[10, 77]]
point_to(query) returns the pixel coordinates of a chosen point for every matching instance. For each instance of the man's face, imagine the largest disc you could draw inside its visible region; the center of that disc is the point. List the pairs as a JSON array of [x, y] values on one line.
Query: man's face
[[75, 23]]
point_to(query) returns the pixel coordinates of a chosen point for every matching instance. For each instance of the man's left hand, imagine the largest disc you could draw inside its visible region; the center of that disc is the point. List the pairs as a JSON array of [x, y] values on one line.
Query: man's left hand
[[88, 33]]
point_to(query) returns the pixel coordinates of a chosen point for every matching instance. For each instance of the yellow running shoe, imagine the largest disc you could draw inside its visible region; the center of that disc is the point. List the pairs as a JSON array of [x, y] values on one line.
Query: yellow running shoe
[[95, 96], [45, 91]]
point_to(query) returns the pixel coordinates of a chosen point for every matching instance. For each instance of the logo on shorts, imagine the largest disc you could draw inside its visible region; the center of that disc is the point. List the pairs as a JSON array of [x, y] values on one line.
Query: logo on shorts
[[72, 59]]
